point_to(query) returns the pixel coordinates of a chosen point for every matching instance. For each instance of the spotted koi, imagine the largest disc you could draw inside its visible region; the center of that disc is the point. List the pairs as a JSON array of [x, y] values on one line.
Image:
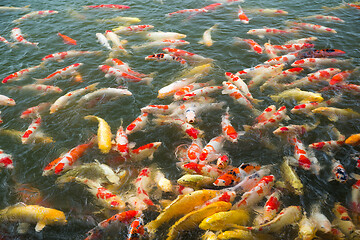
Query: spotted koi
[[122, 142], [266, 114], [107, 6], [312, 27], [313, 78], [236, 175], [242, 16], [188, 56], [60, 56], [343, 221], [194, 150], [138, 124], [190, 10], [136, 229], [166, 57], [314, 62], [179, 94], [41, 88], [132, 29], [254, 46], [173, 87], [202, 169], [10, 44], [160, 109], [190, 131], [355, 197], [61, 73], [227, 129], [241, 85], [269, 12], [162, 43], [28, 135], [341, 77], [17, 36], [35, 15], [35, 111], [235, 93], [261, 32], [204, 91], [251, 72], [302, 157], [6, 160], [274, 120], [269, 50], [145, 151], [119, 74], [308, 107], [212, 149], [287, 74], [325, 18], [272, 206], [292, 47], [321, 53], [265, 74], [142, 184], [224, 195], [294, 129]]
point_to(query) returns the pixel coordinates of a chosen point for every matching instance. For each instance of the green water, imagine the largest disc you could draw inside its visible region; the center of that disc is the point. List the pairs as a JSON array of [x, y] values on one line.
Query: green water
[[69, 129]]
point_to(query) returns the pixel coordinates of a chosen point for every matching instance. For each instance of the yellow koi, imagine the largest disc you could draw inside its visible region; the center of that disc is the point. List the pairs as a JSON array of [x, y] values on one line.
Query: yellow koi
[[195, 181], [223, 220], [202, 69], [298, 95], [291, 178], [243, 235], [103, 133], [335, 114], [307, 228]]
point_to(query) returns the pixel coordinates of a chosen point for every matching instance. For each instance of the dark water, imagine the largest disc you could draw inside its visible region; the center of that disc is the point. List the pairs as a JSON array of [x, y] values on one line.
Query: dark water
[[69, 129]]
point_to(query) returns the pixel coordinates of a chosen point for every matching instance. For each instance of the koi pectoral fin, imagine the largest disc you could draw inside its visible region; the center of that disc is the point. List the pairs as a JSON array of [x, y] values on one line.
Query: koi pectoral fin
[[39, 226]]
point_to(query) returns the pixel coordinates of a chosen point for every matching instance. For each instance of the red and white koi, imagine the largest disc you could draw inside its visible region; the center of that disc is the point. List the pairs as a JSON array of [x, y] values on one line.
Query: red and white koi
[[122, 142], [117, 63], [65, 162], [294, 129], [269, 12], [265, 74], [124, 217], [202, 169], [355, 197], [190, 131], [28, 135], [314, 62], [212, 149], [274, 81], [236, 175], [61, 73], [262, 32], [329, 145], [235, 93], [142, 184], [242, 16], [188, 56], [179, 94], [272, 207], [170, 89], [34, 112], [107, 6], [308, 107], [269, 50], [251, 72], [354, 5], [254, 46], [194, 150], [351, 88], [10, 44], [166, 57], [325, 18], [250, 181], [292, 47], [60, 56], [190, 10], [17, 36], [35, 15], [340, 77], [66, 99], [302, 157], [41, 88], [6, 101], [321, 53], [132, 29], [138, 124], [206, 39], [201, 92], [103, 94], [266, 114], [162, 43], [312, 27], [259, 191], [136, 229], [222, 162], [6, 160], [119, 74], [145, 151], [241, 85], [274, 120], [302, 40], [103, 40], [344, 222], [228, 130], [224, 195], [160, 109], [339, 172]]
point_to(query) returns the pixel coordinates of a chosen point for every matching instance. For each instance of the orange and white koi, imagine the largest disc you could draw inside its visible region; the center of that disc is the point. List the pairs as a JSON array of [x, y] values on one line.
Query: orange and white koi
[[65, 162], [312, 27], [145, 151], [35, 15], [260, 190], [287, 74], [265, 74], [295, 129], [302, 157], [103, 40], [350, 88], [103, 94], [179, 94], [202, 169], [188, 56], [66, 99], [10, 44], [251, 72], [292, 47], [274, 120], [354, 5], [272, 206], [241, 85], [103, 133], [308, 107], [190, 10], [344, 222], [206, 39], [117, 63], [266, 114], [269, 12], [160, 109], [249, 181], [17, 36], [28, 135], [122, 142], [242, 16], [329, 145], [204, 91], [212, 149], [138, 124], [170, 89], [194, 150], [262, 32], [40, 88], [325, 18], [67, 39], [132, 29], [142, 184], [355, 197], [60, 56], [162, 43], [190, 131], [166, 57], [6, 101], [254, 46], [119, 74], [269, 50], [235, 175], [136, 229], [61, 73], [302, 40], [107, 6], [223, 161], [213, 6], [314, 62], [35, 111], [123, 217], [105, 197], [228, 130], [6, 160], [235, 93], [340, 77]]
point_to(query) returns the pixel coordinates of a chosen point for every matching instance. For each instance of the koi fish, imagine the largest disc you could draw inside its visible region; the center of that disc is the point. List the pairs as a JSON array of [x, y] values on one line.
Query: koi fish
[[235, 93], [236, 175], [61, 73], [160, 109], [314, 62], [261, 189], [195, 181], [103, 94], [312, 27], [295, 129], [136, 229], [307, 228], [222, 162], [292, 47], [125, 20], [321, 222], [241, 85], [41, 88], [179, 94], [192, 132], [117, 44], [28, 135], [142, 183], [117, 63], [65, 162], [103, 133], [67, 39], [107, 6], [6, 8], [265, 74], [132, 29], [266, 114], [329, 145], [66, 99], [274, 81], [291, 178], [6, 101], [190, 10], [325, 18], [123, 217], [206, 170], [206, 39], [173, 87], [10, 44], [242, 16], [35, 111], [254, 46], [162, 43], [160, 36], [344, 222], [298, 95], [138, 124], [251, 72], [204, 91], [119, 74], [262, 32], [161, 181], [6, 160], [354, 202], [228, 130], [188, 56], [269, 12], [223, 220], [60, 56], [17, 36], [145, 151], [308, 107], [353, 140], [321, 53], [336, 114], [271, 207], [302, 40], [35, 15], [269, 50], [31, 214], [28, 194], [339, 172], [340, 77], [212, 149], [122, 142], [166, 57], [274, 120], [103, 40], [194, 150]]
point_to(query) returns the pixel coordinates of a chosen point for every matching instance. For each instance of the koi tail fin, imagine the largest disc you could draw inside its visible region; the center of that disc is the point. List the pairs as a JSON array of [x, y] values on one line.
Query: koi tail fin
[[247, 128], [147, 80]]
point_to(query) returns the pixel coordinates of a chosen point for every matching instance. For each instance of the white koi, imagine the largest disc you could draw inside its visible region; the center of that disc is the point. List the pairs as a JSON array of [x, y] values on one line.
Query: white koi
[[206, 39], [41, 88], [160, 36], [104, 93], [103, 40]]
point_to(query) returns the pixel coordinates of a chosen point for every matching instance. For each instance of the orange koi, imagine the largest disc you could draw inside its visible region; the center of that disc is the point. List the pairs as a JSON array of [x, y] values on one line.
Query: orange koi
[[136, 229], [67, 39], [236, 175], [242, 16]]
